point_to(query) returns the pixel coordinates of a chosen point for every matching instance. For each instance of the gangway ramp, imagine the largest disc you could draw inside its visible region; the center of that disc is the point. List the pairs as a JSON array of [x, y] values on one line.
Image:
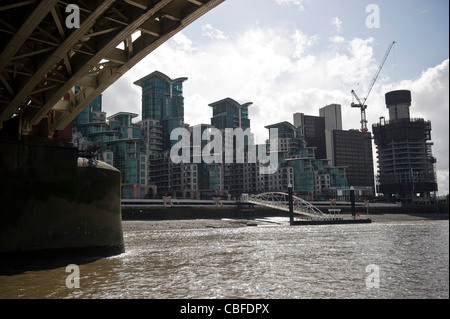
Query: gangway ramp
[[280, 201]]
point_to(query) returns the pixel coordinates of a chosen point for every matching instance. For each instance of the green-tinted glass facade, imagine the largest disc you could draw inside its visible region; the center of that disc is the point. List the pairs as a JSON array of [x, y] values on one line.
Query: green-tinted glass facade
[[163, 101], [162, 97], [309, 174], [228, 113], [169, 125], [119, 144], [91, 113], [303, 175]]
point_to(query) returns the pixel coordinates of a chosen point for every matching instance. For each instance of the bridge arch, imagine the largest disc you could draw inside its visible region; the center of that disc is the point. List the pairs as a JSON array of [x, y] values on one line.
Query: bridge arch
[[42, 59]]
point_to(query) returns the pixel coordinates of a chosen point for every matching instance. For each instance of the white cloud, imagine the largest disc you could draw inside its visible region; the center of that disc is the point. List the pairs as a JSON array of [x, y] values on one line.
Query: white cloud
[[302, 42], [281, 77], [337, 39], [337, 23], [263, 66], [182, 43], [213, 33], [298, 3]]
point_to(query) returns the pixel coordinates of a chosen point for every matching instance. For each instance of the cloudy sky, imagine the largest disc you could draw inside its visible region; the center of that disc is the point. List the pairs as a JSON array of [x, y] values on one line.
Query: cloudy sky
[[289, 56]]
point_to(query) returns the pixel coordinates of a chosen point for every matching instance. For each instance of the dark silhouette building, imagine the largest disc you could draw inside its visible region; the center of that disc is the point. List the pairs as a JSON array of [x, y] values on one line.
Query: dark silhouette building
[[313, 129], [342, 148], [354, 150]]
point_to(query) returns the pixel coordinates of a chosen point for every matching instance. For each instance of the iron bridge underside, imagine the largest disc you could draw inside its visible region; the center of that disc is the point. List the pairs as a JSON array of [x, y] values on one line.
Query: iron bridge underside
[[42, 59]]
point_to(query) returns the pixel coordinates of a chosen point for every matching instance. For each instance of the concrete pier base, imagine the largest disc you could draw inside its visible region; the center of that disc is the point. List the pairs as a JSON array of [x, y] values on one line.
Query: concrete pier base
[[53, 201]]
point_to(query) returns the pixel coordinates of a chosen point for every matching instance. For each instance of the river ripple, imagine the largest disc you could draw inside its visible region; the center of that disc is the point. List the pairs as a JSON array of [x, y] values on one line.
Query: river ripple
[[274, 262]]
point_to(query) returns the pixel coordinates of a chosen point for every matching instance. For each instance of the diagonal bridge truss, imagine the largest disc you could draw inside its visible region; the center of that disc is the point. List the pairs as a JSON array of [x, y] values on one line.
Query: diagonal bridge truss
[[279, 200], [42, 57]]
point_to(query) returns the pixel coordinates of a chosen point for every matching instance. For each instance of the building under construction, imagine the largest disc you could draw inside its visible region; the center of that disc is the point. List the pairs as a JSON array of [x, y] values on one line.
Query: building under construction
[[406, 166]]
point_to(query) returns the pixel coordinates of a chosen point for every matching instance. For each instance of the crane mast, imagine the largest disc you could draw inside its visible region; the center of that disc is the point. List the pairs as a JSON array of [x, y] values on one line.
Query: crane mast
[[362, 103]]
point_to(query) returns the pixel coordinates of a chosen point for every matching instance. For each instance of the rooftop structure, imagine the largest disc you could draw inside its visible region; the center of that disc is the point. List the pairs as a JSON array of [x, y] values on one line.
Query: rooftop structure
[[228, 113]]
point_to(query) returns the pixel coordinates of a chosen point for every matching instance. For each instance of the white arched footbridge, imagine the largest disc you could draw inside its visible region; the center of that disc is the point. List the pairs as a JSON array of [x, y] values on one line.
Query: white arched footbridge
[[279, 200]]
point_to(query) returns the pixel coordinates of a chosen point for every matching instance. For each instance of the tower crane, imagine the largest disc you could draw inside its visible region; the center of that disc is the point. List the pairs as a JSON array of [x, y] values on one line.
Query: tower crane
[[362, 103]]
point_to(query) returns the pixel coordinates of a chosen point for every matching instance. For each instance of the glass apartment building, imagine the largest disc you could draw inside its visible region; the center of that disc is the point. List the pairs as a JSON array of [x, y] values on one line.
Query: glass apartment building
[[162, 97], [163, 101], [228, 113], [162, 112], [238, 177], [141, 151], [90, 114]]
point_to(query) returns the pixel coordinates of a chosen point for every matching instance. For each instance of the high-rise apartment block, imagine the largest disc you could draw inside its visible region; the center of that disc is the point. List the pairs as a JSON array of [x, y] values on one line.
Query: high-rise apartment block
[[162, 108], [163, 111], [238, 177], [142, 150], [315, 155], [406, 169]]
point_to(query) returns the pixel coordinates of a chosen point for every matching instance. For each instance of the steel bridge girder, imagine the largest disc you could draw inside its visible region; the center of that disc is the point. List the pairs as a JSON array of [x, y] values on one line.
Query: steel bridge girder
[[33, 83]]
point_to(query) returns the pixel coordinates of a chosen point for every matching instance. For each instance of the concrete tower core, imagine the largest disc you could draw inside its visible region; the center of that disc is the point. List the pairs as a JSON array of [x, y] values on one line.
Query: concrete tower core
[[398, 103]]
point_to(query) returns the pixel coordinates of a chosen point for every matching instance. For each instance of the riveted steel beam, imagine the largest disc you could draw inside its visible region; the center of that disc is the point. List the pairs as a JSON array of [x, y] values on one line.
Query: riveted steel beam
[[142, 46], [44, 58], [25, 30], [53, 59]]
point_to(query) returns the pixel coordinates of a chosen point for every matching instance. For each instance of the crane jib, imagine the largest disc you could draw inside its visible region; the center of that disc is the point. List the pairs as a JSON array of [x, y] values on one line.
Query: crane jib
[[362, 104]]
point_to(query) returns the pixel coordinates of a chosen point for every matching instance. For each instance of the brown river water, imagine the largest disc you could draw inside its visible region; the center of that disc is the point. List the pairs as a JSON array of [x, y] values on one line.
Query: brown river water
[[275, 261]]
